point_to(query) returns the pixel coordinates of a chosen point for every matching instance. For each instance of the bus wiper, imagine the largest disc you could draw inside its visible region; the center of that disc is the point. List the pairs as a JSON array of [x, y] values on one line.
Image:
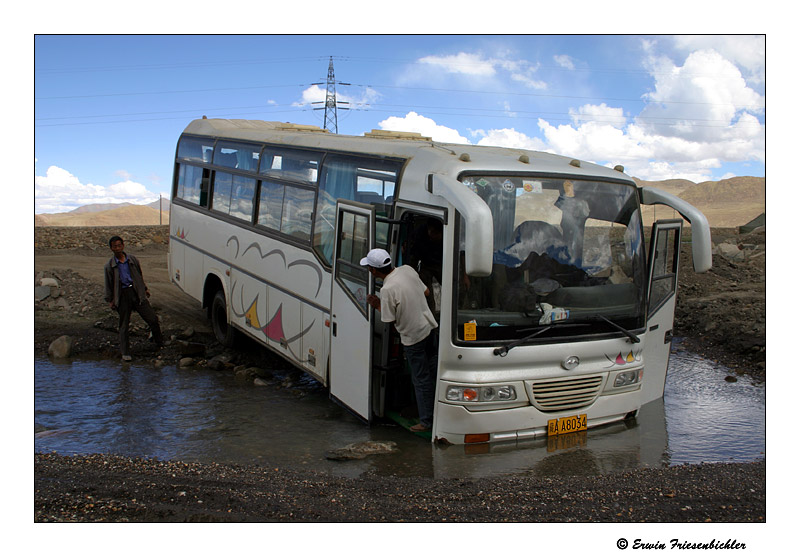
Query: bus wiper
[[502, 351], [620, 328]]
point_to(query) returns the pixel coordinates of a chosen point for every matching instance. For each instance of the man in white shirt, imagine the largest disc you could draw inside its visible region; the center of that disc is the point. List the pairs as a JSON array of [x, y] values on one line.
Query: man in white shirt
[[403, 302]]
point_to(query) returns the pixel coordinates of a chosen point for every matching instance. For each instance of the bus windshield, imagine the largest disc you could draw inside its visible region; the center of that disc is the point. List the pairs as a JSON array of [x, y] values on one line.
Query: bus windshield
[[568, 256]]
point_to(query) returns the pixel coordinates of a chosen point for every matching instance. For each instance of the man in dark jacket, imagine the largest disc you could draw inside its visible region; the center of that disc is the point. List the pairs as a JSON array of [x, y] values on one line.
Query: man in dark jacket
[[125, 292]]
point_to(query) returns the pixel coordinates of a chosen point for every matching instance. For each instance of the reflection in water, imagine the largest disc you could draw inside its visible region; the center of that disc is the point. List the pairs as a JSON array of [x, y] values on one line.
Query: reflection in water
[[207, 416]]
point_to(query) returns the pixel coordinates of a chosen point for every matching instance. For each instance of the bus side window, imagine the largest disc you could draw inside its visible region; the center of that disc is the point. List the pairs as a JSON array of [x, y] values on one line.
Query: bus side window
[[193, 184], [354, 179], [195, 149]]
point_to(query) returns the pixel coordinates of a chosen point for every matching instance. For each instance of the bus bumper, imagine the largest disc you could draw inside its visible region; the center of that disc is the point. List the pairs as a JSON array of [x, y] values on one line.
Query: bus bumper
[[453, 422]]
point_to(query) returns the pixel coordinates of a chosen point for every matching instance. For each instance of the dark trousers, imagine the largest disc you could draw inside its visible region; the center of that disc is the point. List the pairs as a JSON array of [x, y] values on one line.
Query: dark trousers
[[423, 359], [128, 302]]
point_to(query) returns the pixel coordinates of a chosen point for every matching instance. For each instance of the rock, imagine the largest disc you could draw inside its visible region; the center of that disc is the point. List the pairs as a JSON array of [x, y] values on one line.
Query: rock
[[258, 382], [185, 362], [186, 334], [61, 347], [41, 293], [263, 373], [217, 363], [242, 373], [731, 252], [357, 451], [47, 281]]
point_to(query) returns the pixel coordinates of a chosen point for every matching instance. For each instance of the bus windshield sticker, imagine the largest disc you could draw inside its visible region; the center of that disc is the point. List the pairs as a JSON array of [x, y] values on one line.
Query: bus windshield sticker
[[470, 331], [532, 187]]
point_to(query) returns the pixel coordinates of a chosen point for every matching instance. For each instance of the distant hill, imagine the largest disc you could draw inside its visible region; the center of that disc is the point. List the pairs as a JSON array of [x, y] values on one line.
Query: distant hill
[[97, 207], [124, 214], [675, 187], [727, 203]]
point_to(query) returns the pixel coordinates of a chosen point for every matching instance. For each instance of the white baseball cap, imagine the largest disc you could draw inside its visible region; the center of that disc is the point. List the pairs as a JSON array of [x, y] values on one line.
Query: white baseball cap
[[377, 258]]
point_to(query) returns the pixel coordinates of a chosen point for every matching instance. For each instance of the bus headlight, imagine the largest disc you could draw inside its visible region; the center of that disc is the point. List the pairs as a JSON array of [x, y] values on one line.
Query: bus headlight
[[499, 393], [630, 377]]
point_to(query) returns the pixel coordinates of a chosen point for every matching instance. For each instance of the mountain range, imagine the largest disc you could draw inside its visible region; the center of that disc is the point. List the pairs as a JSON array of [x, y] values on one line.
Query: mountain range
[[726, 203]]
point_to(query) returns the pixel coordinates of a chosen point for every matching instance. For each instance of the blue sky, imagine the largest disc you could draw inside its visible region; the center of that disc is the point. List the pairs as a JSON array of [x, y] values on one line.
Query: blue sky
[[109, 108]]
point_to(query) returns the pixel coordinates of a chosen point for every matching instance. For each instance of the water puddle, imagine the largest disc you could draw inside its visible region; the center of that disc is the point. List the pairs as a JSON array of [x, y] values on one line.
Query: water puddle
[[207, 416]]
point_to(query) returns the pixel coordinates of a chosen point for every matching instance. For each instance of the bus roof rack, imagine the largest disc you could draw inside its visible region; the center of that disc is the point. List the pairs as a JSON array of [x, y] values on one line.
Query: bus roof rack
[[389, 134], [299, 127]]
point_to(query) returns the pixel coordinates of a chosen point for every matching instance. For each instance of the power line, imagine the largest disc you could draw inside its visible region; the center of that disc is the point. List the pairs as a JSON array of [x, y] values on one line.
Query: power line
[[433, 89], [166, 92], [176, 65], [131, 121], [475, 91]]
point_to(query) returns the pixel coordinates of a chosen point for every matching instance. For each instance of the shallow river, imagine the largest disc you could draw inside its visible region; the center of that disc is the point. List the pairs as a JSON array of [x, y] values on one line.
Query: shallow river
[[207, 416]]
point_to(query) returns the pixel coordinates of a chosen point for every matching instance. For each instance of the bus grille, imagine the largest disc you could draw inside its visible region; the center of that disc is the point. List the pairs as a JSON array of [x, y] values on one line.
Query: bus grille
[[565, 394]]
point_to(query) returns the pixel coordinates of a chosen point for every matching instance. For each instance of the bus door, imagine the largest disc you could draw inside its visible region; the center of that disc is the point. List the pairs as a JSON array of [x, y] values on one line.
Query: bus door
[[351, 318], [665, 245]]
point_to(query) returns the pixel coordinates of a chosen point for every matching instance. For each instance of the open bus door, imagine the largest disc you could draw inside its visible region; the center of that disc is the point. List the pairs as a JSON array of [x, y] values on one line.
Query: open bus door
[[351, 318], [665, 245]]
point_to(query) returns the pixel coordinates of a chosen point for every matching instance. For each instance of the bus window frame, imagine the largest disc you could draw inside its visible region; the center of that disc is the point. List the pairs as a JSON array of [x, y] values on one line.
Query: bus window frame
[[360, 159], [323, 156]]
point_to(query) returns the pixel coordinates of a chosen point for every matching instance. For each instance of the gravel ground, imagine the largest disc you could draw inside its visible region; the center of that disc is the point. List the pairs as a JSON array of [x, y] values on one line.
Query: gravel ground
[[108, 488]]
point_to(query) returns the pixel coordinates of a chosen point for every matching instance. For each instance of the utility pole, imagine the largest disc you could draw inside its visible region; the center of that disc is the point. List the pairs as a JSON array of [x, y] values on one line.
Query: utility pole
[[331, 104]]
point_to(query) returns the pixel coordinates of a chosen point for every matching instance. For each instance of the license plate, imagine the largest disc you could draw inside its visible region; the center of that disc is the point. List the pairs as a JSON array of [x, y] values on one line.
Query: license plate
[[566, 425]]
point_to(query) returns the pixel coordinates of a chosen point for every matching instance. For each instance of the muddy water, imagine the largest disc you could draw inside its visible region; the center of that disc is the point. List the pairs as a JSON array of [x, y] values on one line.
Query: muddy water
[[207, 416]]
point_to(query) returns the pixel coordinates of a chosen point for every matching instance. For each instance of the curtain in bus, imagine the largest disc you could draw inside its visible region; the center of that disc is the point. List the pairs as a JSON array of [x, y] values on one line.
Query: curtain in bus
[[338, 182]]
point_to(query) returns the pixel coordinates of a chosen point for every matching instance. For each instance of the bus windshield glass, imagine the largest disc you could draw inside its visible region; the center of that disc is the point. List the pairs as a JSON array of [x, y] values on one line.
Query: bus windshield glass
[[568, 256]]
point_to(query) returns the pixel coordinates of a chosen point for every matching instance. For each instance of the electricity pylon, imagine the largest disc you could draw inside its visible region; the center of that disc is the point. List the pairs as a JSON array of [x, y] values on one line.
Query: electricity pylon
[[332, 106]]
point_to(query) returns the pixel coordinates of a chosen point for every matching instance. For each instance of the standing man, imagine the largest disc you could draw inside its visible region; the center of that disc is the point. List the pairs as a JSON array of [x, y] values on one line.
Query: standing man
[[125, 292], [403, 302]]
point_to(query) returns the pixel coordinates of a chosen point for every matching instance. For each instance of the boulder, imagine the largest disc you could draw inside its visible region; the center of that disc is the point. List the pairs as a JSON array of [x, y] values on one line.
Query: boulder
[[41, 293], [217, 363], [357, 451], [730, 252], [61, 347]]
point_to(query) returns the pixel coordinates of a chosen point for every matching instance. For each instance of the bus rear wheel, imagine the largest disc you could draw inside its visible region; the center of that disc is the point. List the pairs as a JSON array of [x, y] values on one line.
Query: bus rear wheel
[[223, 331]]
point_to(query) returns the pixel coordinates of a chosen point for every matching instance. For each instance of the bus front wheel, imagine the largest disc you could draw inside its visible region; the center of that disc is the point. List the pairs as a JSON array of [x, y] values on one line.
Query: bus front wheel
[[223, 331]]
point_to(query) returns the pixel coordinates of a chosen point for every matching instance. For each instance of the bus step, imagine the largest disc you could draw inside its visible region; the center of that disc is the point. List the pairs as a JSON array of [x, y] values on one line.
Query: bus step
[[407, 423]]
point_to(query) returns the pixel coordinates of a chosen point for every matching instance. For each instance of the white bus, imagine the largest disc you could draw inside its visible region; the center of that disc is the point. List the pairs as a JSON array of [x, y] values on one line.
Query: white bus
[[554, 315]]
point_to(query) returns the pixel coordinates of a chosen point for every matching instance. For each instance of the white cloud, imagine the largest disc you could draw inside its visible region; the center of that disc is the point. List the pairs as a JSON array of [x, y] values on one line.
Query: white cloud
[[60, 191], [462, 63], [564, 61], [698, 100], [413, 122], [509, 137], [601, 113], [479, 69], [746, 52], [528, 81], [699, 115], [317, 94]]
